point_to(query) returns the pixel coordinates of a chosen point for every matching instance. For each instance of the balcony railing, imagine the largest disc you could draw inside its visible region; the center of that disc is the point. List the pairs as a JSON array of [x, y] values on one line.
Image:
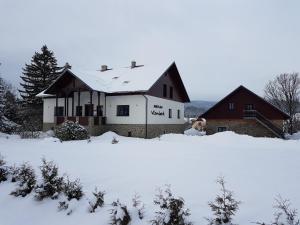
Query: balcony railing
[[82, 120]]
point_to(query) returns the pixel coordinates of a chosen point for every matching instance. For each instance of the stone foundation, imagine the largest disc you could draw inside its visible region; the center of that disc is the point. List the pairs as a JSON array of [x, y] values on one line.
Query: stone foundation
[[242, 126], [133, 130], [139, 130]]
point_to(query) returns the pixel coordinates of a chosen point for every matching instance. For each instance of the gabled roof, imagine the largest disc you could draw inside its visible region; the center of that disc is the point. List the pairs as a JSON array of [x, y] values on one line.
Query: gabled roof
[[241, 87], [122, 79]]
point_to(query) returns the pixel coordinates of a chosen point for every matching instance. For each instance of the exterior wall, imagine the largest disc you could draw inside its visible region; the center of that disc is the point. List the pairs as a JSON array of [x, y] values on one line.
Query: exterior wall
[[240, 126], [48, 108], [153, 112], [134, 124], [137, 109]]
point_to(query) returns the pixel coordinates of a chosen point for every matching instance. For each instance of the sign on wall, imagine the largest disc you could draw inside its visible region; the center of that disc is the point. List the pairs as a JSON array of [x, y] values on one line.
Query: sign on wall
[[157, 111]]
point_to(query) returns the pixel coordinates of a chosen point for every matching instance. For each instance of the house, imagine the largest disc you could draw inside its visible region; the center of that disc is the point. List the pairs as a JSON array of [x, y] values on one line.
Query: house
[[244, 112], [138, 100]]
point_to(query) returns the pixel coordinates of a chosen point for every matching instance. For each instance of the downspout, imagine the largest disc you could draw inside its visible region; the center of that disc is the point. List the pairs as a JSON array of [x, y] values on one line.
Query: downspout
[[146, 117]]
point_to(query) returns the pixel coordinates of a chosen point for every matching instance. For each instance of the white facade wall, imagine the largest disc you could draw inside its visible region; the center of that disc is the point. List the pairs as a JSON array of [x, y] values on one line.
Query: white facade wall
[[48, 108], [158, 108], [158, 111], [137, 109]]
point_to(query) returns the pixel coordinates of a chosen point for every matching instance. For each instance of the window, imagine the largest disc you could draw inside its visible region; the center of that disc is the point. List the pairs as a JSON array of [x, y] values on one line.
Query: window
[[231, 106], [249, 107], [122, 110], [170, 113], [88, 109], [165, 90], [221, 129], [100, 110], [59, 111], [78, 110], [178, 114], [171, 92]]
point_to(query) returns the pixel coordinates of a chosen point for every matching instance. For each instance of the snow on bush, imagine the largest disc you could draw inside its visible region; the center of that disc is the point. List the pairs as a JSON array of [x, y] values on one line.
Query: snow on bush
[[3, 169], [138, 206], [119, 214], [25, 176], [224, 207], [172, 210], [73, 189], [97, 201], [71, 131], [52, 184], [7, 126], [284, 215]]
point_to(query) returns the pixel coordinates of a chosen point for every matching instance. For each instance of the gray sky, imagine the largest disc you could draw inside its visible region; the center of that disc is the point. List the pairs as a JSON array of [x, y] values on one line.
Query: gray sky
[[217, 44]]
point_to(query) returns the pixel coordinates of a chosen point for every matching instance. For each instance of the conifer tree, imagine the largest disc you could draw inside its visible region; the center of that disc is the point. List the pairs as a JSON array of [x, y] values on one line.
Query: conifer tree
[[38, 75]]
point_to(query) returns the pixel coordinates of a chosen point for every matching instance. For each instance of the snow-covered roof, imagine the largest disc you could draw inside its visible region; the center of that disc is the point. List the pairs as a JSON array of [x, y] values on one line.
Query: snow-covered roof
[[122, 79], [42, 94]]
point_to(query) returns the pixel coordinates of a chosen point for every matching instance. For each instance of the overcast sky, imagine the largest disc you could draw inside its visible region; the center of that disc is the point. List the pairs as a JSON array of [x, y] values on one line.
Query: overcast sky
[[217, 45]]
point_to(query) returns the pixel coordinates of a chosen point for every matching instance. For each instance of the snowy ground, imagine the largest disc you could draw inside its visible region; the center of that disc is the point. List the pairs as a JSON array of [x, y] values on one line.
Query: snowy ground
[[256, 169]]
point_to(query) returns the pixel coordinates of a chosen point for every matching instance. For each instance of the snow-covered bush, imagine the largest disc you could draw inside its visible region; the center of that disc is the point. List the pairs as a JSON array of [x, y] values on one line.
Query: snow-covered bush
[[224, 206], [98, 200], [13, 173], [3, 169], [138, 206], [71, 131], [114, 140], [73, 189], [26, 180], [52, 184], [119, 214], [284, 215], [172, 210]]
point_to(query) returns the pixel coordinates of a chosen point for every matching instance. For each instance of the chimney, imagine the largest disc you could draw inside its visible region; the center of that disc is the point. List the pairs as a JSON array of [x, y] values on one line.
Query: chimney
[[68, 66], [103, 68], [133, 64]]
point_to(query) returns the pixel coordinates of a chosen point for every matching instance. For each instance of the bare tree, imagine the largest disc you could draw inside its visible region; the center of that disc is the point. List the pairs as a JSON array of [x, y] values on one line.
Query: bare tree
[[284, 93]]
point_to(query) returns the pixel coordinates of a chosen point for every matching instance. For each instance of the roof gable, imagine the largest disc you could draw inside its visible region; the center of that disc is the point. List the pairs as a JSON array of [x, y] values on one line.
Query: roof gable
[[170, 78], [241, 96]]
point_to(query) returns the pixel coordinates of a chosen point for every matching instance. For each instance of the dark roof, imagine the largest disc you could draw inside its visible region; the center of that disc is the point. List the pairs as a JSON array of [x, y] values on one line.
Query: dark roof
[[241, 87]]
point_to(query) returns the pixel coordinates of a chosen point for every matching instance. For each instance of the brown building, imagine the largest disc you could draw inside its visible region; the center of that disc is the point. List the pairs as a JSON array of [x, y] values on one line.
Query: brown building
[[244, 112]]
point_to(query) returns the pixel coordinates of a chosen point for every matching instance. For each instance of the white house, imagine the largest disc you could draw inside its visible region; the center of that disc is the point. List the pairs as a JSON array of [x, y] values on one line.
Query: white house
[[139, 101]]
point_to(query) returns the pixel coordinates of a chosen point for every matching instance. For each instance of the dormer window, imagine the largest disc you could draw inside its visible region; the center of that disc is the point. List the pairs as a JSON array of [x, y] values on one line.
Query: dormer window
[[231, 106]]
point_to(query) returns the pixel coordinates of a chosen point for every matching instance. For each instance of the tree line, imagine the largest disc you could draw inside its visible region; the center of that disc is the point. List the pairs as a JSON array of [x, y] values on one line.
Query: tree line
[[26, 112]]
